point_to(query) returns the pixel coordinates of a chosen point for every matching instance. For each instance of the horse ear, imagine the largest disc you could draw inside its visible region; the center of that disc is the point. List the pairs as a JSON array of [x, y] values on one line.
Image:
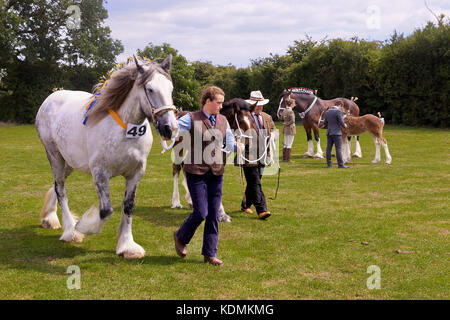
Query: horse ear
[[167, 63], [236, 108], [138, 66]]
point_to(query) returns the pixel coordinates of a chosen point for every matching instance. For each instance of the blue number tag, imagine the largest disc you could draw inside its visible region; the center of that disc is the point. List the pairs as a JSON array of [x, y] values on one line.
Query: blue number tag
[[135, 131]]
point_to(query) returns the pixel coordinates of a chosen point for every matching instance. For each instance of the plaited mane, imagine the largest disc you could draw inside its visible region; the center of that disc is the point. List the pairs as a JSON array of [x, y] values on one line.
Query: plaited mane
[[117, 88]]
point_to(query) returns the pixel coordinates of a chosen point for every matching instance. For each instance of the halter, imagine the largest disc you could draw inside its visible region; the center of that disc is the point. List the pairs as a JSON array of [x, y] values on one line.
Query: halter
[[269, 144], [241, 134], [303, 114], [279, 106]]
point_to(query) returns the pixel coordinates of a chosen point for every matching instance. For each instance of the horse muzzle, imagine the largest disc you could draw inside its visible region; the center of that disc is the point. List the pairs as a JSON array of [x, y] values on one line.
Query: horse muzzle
[[167, 132]]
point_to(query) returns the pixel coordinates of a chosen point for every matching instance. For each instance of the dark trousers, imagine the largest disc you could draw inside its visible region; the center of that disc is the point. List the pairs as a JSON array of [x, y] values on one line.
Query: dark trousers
[[206, 194], [253, 192], [337, 141]]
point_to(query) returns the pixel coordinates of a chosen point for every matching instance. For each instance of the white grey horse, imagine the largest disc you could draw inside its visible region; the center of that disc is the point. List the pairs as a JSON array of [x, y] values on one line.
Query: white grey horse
[[112, 138]]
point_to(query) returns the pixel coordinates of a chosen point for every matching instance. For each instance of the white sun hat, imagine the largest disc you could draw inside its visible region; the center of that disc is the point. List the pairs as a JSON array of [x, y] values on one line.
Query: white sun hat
[[257, 97]]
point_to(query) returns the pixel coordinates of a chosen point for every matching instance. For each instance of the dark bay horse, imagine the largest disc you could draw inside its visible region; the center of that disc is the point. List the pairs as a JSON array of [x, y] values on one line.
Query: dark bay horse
[[310, 108], [238, 115]]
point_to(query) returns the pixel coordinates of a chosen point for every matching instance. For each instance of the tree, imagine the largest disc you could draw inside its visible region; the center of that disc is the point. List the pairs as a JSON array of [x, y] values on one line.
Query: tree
[[43, 50]]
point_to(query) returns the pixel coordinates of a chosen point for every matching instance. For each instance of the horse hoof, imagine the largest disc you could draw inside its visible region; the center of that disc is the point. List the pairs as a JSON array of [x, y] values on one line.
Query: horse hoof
[[130, 250], [77, 236], [225, 218], [47, 224], [133, 255], [90, 222], [307, 155], [318, 156], [375, 161], [72, 236], [356, 156], [177, 206]]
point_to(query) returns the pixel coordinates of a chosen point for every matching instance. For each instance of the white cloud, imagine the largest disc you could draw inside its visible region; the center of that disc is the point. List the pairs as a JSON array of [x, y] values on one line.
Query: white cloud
[[235, 31]]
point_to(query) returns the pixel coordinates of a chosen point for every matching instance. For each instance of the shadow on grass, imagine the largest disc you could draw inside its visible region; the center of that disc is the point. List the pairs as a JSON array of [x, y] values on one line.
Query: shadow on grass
[[114, 259], [25, 249], [163, 216]]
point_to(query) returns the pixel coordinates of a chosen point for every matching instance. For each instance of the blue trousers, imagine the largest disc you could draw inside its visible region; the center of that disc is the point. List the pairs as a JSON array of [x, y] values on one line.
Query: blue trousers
[[337, 141], [206, 194]]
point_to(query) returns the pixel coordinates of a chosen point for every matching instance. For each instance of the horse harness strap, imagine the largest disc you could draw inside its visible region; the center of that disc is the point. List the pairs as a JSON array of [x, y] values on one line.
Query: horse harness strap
[[156, 113], [117, 118], [303, 114]]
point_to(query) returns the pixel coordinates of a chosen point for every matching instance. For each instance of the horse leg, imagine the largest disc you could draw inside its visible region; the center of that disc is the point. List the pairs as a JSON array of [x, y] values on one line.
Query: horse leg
[[223, 217], [49, 218], [345, 149], [386, 150], [310, 152], [92, 220], [60, 172], [319, 154], [358, 153], [125, 242], [176, 195], [377, 149]]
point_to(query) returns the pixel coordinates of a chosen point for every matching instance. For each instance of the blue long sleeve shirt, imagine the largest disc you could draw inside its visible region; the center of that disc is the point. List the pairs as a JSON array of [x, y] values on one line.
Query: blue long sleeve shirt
[[185, 123]]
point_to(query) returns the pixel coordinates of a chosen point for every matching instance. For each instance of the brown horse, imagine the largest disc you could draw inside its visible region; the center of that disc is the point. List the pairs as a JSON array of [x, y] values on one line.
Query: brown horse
[[238, 115], [310, 108], [366, 123]]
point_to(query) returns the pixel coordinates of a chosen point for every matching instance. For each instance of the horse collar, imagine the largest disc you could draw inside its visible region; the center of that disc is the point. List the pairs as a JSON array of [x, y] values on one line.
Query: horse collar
[[303, 114]]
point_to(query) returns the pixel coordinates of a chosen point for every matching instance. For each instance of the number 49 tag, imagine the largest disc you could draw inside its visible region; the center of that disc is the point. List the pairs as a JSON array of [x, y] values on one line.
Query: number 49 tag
[[135, 131]]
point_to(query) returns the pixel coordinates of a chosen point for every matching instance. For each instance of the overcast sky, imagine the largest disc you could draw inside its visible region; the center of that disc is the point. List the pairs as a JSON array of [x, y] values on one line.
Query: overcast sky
[[236, 31]]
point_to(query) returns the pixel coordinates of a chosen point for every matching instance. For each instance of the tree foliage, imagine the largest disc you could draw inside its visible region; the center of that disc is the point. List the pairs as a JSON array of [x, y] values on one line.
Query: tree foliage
[[405, 77], [186, 88], [43, 51]]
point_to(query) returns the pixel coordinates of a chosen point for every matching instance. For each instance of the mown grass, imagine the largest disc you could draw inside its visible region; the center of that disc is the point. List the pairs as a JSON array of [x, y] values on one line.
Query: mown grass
[[311, 248]]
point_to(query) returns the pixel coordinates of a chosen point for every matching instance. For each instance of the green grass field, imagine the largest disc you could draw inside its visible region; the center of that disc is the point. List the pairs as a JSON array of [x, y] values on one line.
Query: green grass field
[[328, 226]]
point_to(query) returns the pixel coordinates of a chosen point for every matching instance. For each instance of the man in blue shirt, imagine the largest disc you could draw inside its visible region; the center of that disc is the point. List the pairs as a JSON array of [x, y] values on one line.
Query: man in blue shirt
[[333, 119]]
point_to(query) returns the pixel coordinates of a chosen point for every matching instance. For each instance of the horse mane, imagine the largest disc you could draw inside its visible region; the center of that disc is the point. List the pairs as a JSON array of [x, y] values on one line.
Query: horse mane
[[112, 94], [228, 105]]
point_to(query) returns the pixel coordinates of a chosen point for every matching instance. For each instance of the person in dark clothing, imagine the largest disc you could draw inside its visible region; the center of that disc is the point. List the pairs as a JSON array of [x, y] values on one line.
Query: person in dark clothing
[[263, 127], [334, 121]]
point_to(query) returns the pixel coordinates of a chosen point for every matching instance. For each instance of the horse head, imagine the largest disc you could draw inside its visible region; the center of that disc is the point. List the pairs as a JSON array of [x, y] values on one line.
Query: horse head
[[156, 97], [282, 106], [237, 112]]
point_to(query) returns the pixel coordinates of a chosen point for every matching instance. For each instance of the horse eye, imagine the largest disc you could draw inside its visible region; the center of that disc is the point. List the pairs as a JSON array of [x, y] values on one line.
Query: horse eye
[[150, 90]]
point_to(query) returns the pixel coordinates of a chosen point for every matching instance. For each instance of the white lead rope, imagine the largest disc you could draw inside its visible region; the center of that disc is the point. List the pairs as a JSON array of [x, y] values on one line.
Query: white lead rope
[[164, 144], [269, 144]]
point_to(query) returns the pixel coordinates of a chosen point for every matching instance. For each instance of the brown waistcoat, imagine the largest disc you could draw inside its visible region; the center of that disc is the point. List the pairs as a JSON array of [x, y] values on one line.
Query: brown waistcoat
[[197, 163]]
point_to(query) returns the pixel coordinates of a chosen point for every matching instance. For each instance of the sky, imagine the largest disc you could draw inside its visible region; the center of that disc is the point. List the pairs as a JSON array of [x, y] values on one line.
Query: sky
[[237, 31]]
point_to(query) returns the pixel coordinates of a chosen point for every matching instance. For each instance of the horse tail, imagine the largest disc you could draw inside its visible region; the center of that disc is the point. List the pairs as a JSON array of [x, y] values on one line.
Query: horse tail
[[382, 119]]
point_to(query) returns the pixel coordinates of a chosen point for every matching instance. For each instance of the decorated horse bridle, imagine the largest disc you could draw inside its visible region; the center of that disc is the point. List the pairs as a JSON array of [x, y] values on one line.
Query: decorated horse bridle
[[303, 114]]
